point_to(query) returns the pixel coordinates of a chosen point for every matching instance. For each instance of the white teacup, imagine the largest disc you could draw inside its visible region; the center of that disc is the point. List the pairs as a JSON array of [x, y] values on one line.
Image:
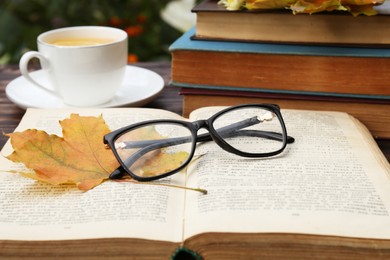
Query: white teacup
[[85, 65]]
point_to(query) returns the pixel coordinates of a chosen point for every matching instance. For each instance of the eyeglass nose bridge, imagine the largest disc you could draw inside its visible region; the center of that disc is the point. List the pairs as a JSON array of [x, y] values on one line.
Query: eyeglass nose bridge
[[200, 124], [210, 135]]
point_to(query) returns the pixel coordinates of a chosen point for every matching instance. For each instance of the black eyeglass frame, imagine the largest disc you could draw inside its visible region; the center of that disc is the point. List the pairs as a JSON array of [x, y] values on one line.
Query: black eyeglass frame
[[110, 138]]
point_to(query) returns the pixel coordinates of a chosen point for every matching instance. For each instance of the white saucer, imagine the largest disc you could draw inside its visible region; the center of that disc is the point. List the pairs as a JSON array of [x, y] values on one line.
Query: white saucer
[[139, 87]]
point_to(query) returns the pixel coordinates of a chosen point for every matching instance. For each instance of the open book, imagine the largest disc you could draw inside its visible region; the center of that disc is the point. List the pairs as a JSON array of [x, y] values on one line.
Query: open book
[[327, 194]]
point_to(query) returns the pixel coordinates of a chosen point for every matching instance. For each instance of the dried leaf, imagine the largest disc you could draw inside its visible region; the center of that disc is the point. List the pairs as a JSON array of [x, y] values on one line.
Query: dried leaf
[[78, 157], [356, 7], [162, 162], [315, 6], [268, 4]]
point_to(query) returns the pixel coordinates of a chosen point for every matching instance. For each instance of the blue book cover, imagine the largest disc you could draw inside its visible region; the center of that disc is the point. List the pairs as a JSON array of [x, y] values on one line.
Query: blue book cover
[[186, 43]]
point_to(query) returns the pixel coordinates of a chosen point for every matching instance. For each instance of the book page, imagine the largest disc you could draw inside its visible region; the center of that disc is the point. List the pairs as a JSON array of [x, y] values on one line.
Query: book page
[[328, 182], [30, 210]]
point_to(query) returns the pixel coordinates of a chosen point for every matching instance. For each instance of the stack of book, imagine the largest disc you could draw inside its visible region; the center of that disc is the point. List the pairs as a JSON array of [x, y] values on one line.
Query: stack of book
[[331, 61]]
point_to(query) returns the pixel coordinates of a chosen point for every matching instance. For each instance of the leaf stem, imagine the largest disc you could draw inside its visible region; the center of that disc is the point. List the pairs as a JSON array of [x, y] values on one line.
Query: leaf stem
[[203, 191]]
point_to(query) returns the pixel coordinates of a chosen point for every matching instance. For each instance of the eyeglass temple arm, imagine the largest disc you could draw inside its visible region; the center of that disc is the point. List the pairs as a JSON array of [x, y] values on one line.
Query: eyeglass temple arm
[[149, 145], [179, 140], [235, 130], [265, 134]]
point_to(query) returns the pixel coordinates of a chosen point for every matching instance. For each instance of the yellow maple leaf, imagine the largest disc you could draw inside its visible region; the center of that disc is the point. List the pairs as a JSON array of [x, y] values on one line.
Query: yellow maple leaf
[[79, 157]]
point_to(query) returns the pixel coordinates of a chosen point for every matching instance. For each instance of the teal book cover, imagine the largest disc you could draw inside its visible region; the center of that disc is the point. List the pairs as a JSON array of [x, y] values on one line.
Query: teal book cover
[[185, 42]]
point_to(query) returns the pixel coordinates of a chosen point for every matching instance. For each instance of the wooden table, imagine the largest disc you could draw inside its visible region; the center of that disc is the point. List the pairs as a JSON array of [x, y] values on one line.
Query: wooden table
[[169, 99]]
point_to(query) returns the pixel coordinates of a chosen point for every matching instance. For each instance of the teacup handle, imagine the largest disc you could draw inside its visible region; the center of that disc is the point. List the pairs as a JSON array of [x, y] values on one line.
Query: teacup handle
[[23, 66]]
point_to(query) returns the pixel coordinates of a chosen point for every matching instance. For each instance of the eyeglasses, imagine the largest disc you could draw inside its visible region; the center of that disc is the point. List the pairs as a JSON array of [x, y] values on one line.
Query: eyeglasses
[[155, 149]]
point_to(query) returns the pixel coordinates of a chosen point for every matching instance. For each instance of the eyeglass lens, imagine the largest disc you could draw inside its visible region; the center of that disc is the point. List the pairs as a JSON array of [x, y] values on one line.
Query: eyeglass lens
[[154, 149], [262, 131]]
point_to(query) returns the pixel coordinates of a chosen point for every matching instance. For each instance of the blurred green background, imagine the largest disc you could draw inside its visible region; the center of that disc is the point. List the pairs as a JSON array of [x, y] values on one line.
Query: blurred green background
[[21, 21]]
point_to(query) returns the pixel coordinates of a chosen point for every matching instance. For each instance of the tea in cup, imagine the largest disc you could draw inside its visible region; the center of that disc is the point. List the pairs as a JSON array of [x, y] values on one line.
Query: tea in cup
[[85, 65]]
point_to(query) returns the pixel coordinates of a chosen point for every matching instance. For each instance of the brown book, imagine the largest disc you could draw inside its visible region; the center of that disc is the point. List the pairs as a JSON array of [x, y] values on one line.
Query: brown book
[[374, 114], [280, 67], [214, 22], [326, 196]]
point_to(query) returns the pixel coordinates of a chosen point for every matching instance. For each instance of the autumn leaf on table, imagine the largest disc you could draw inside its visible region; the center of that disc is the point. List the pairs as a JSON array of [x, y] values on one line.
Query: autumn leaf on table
[[79, 157]]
